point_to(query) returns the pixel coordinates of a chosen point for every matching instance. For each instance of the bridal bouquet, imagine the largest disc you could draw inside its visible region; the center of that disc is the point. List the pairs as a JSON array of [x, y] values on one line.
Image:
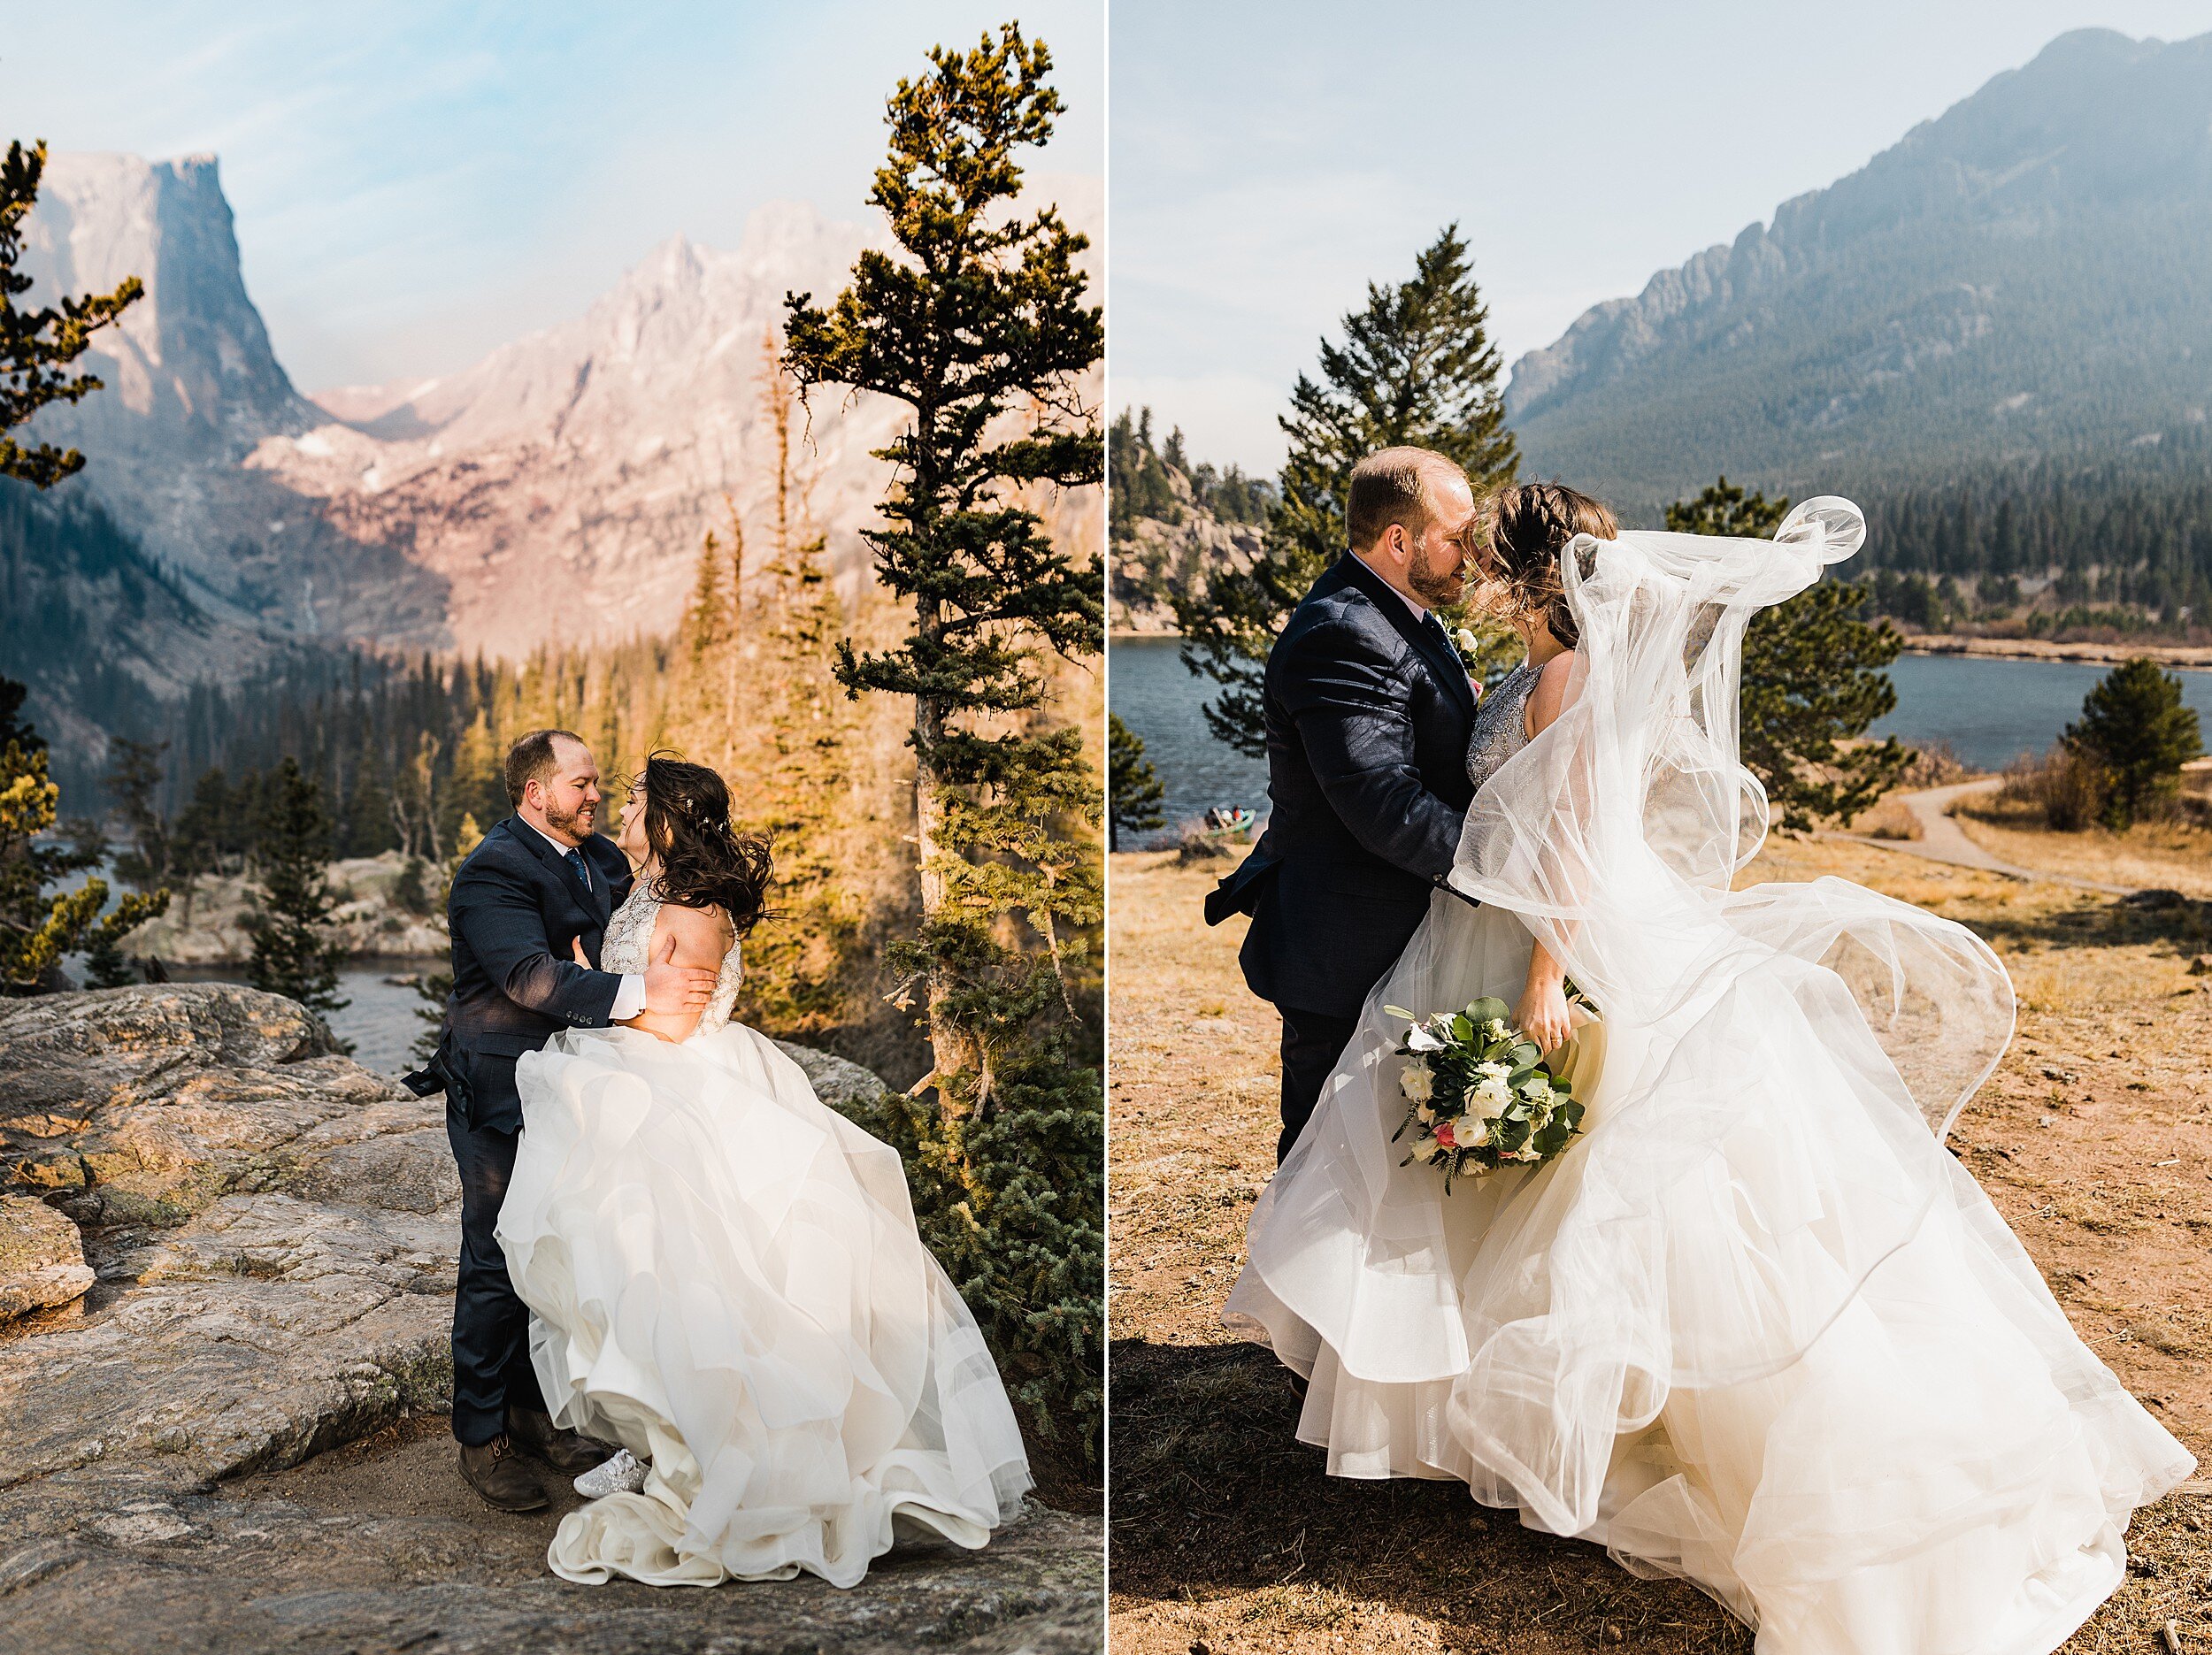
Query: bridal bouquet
[[1477, 1097]]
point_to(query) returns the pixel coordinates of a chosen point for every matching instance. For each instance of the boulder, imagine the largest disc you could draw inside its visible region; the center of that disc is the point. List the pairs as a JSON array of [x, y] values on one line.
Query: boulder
[[272, 1227], [41, 1258], [843, 1084]]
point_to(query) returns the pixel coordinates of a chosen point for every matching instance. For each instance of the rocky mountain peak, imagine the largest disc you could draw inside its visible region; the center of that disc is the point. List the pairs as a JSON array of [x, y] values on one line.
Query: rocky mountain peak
[[190, 364], [1928, 309]]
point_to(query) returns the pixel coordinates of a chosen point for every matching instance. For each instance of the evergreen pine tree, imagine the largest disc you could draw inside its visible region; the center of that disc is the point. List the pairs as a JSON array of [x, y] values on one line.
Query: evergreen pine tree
[[1812, 678], [290, 957], [803, 965], [134, 783], [2136, 729], [1417, 367], [36, 347], [37, 930], [1134, 788], [983, 323]]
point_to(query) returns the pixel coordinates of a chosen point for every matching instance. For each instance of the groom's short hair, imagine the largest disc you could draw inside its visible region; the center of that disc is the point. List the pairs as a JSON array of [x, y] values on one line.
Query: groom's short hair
[[533, 758], [1391, 486]]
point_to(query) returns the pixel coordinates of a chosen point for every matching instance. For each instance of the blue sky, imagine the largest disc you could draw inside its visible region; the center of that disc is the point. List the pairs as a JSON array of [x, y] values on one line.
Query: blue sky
[[417, 182], [1267, 161]]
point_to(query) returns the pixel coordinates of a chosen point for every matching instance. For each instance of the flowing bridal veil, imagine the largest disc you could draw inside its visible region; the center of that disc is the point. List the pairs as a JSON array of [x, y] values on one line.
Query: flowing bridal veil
[[1757, 1328]]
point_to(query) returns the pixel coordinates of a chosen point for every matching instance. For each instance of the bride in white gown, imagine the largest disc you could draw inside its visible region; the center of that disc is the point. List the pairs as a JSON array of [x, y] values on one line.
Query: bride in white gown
[[1757, 1328], [724, 1273]]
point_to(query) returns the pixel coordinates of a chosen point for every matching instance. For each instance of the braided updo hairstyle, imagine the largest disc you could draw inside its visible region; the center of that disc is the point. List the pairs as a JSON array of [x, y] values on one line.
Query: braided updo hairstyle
[[704, 861], [1527, 526]]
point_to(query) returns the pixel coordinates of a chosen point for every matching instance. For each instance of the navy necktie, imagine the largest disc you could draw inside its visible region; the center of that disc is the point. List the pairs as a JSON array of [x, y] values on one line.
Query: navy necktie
[[575, 859]]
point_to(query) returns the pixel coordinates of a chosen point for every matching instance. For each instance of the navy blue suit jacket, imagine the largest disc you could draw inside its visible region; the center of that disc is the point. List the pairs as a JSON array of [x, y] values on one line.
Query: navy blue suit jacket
[[1368, 714], [516, 910]]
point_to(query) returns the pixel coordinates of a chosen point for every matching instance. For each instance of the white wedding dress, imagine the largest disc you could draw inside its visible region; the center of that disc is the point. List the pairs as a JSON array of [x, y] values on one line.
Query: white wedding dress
[[725, 1277], [1758, 1328]]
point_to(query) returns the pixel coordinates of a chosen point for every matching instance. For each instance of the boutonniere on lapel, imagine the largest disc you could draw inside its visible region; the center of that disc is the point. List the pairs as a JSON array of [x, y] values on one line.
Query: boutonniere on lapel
[[1483, 650], [1470, 648]]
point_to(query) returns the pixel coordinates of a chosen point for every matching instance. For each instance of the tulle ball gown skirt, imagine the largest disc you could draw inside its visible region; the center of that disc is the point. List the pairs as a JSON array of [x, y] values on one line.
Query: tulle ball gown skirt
[[725, 1277], [1746, 1331]]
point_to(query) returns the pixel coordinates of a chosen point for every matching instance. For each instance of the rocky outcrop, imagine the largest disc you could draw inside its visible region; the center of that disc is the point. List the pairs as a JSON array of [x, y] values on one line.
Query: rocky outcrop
[[41, 1258], [273, 1230], [375, 916], [1156, 560], [271, 1224]]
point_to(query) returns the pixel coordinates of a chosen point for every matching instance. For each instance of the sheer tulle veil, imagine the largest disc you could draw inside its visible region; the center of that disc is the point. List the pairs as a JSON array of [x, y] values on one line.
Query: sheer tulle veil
[[1616, 836]]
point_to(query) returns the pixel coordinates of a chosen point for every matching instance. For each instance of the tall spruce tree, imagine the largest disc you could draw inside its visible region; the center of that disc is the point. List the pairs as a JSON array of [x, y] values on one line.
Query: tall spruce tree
[[38, 346], [292, 843], [1812, 678], [2138, 732], [1134, 790], [1417, 367], [134, 783], [980, 326]]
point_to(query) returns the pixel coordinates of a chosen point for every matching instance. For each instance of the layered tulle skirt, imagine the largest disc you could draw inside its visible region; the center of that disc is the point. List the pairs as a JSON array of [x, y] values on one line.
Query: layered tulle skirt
[[1758, 1328], [725, 1277]]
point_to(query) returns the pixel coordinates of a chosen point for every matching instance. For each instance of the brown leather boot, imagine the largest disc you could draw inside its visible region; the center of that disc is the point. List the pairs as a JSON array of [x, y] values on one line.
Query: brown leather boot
[[505, 1482], [535, 1434]]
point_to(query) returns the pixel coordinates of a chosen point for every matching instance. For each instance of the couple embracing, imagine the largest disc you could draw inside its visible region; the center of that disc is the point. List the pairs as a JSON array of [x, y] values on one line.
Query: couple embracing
[[1754, 1328], [681, 1274]]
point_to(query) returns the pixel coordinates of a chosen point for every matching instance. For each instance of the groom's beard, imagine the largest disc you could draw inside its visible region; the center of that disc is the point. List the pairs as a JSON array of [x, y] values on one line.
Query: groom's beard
[[1441, 586], [576, 824]]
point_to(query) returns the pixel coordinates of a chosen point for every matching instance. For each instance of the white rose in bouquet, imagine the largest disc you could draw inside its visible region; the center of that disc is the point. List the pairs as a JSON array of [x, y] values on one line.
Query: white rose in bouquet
[[1417, 1084], [1470, 1133]]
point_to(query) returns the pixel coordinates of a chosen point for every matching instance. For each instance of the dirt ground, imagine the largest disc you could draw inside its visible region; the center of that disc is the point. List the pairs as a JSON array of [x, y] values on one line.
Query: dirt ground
[[2094, 1138]]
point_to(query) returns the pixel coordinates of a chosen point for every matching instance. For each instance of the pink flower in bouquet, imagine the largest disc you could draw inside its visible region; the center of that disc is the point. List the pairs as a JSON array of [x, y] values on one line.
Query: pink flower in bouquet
[[1444, 1134]]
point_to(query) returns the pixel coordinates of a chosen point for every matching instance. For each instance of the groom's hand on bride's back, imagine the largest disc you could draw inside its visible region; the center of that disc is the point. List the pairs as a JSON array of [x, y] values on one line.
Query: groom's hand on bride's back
[[672, 989]]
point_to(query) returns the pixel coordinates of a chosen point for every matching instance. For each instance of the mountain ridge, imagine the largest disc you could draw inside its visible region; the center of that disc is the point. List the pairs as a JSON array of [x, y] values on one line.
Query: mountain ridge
[[555, 490], [2018, 278]]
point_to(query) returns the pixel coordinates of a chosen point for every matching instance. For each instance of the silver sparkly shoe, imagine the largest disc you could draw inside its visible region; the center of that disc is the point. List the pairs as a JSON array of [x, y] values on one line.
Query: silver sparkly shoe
[[624, 1473]]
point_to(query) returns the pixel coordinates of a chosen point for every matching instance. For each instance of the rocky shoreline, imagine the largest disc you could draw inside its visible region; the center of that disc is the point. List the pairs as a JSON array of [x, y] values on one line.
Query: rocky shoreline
[[2184, 655], [267, 1234], [373, 917]]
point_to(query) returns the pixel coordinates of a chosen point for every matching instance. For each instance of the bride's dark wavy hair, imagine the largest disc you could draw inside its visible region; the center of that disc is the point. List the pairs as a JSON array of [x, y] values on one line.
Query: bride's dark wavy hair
[[705, 862], [1527, 526]]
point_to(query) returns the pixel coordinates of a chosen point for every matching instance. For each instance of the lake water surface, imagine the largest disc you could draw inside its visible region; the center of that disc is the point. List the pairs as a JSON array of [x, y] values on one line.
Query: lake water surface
[[380, 1016], [1989, 710]]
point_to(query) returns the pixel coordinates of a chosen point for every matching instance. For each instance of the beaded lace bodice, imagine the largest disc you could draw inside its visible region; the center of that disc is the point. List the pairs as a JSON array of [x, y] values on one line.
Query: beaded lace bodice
[[630, 938], [1501, 724]]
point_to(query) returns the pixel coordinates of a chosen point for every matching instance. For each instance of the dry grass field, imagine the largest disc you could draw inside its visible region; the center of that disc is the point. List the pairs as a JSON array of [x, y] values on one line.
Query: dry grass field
[[2094, 1138]]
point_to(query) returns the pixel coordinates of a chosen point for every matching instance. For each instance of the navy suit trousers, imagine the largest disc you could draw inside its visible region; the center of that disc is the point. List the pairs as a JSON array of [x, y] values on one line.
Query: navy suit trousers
[[491, 1324]]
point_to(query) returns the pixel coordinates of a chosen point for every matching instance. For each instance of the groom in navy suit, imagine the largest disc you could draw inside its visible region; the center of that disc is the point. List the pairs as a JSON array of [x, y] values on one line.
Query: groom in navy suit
[[1368, 710], [540, 886]]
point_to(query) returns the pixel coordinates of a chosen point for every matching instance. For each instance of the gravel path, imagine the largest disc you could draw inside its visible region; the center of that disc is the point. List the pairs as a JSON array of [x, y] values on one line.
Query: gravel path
[[1942, 840]]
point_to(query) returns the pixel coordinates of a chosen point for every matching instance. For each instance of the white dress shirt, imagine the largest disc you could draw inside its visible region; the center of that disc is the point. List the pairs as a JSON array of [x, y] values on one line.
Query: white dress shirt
[[1420, 614], [629, 1000]]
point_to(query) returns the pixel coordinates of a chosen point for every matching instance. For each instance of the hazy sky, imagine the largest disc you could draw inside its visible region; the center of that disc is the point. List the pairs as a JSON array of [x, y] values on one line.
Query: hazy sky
[[1267, 161], [417, 182]]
